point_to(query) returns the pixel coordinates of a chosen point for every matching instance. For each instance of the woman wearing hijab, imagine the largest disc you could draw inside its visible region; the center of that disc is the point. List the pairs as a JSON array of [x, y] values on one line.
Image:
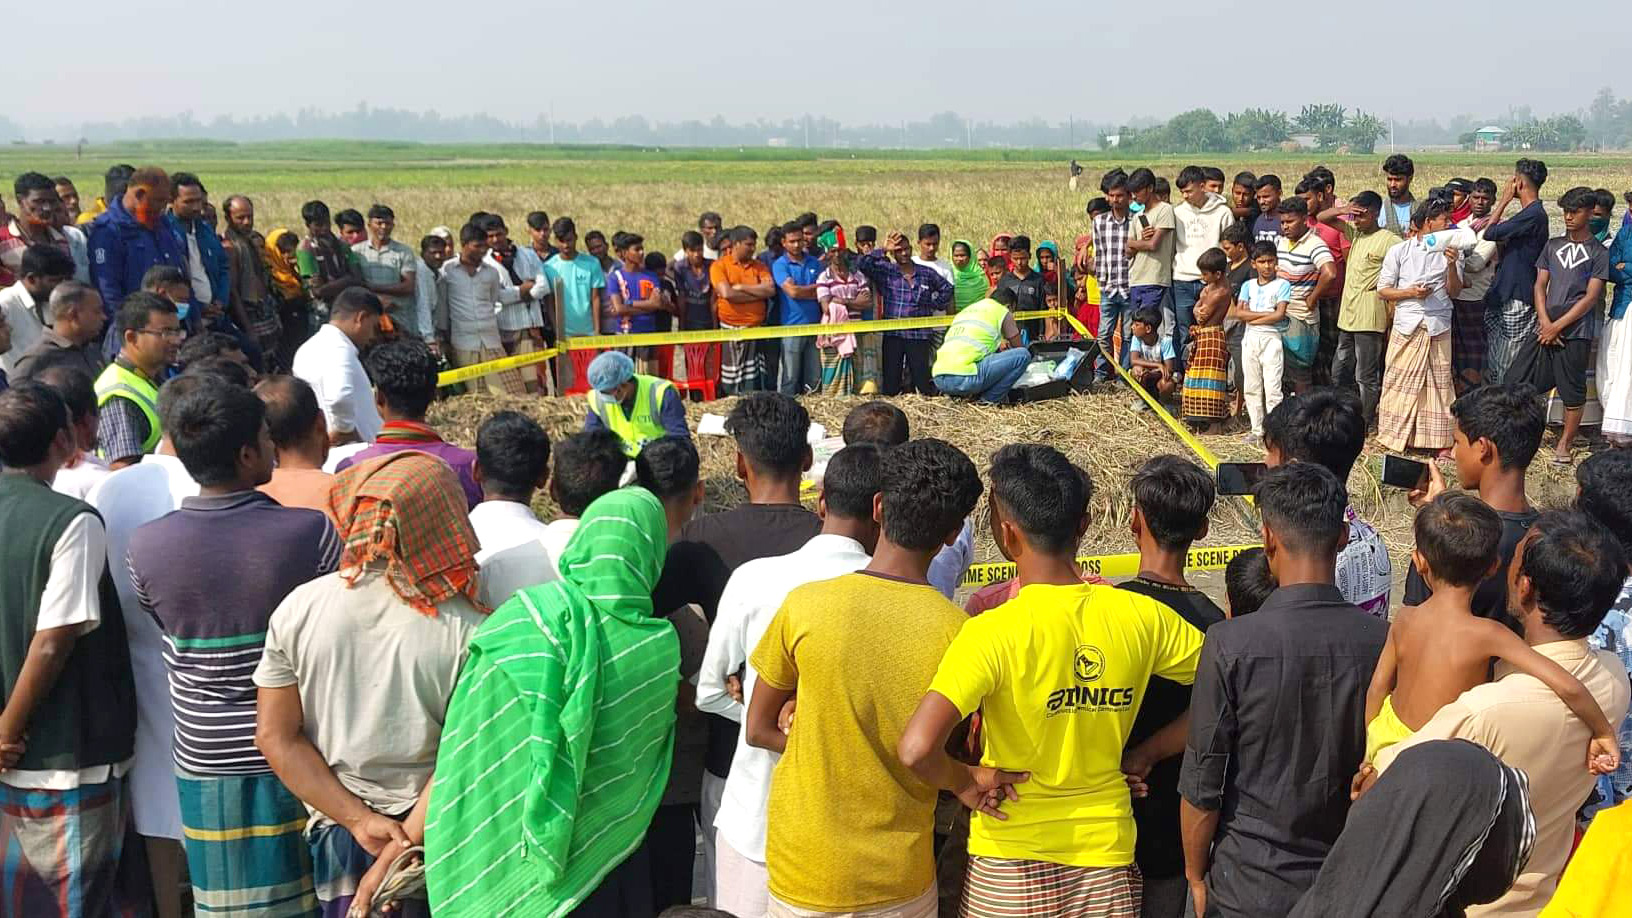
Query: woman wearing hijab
[[1057, 278], [292, 304], [969, 281], [1448, 826], [560, 734], [360, 664]]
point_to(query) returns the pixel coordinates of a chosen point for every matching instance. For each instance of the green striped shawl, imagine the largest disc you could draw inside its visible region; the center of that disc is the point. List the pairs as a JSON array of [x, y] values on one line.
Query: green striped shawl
[[561, 730]]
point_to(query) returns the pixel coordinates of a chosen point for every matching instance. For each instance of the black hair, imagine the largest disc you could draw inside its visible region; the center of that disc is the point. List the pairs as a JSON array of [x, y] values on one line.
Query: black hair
[[928, 230], [770, 430], [1006, 296], [1238, 233], [691, 239], [694, 911], [1019, 242], [1303, 504], [877, 422], [1190, 175], [1149, 315], [349, 217], [655, 263], [1174, 495], [178, 387], [1370, 200], [404, 374], [1113, 180], [513, 452], [1533, 171], [187, 179], [852, 479], [41, 260], [470, 232], [538, 220], [291, 408], [159, 277], [668, 467], [1577, 198], [1293, 205], [1213, 259], [1576, 568], [1043, 493], [1212, 174], [31, 416], [381, 212], [138, 309], [1305, 185], [743, 234], [773, 236], [223, 369], [588, 464], [562, 227], [1321, 178], [207, 344], [209, 426], [1399, 164], [1323, 426], [866, 233], [492, 223], [1160, 187], [1248, 582], [1097, 206], [929, 487], [116, 180], [792, 227], [1604, 481], [1458, 184], [314, 212], [353, 300], [1140, 179], [1267, 180], [1606, 198], [1245, 179], [808, 218], [1485, 185], [75, 387], [426, 242], [1263, 248], [1459, 536], [1511, 416], [626, 240], [30, 182], [708, 216], [64, 180], [1431, 207], [593, 235]]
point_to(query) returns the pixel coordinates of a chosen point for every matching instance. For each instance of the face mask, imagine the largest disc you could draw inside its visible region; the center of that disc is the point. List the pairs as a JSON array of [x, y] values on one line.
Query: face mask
[[1598, 226], [183, 308], [1135, 207]]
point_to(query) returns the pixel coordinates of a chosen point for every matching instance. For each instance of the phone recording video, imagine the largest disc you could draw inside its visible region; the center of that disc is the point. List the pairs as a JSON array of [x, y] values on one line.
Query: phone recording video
[[1400, 472]]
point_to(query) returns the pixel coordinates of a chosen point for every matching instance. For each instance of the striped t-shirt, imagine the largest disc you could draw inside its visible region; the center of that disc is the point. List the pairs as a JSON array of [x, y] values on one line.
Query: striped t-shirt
[[210, 574], [1300, 264]]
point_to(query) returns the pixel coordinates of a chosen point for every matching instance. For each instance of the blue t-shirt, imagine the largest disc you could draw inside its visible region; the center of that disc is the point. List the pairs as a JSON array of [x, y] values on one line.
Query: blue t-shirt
[[577, 278], [803, 272], [631, 286], [1160, 352], [1264, 298]]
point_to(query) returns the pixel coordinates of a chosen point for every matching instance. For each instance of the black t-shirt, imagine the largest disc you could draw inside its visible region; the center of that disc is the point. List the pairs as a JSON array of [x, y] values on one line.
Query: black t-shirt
[[1490, 599], [1029, 291], [701, 561], [1238, 275], [1159, 851]]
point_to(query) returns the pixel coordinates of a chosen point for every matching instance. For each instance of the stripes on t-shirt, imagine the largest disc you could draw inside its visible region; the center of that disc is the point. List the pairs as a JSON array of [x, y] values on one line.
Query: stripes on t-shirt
[[1300, 264]]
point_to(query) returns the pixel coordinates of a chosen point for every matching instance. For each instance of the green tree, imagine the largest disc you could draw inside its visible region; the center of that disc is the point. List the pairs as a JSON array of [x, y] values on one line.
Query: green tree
[[1256, 129], [1323, 119], [1362, 131], [1194, 131]]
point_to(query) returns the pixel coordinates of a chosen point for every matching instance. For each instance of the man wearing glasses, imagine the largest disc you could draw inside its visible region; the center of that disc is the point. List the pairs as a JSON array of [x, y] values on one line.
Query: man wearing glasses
[[127, 392]]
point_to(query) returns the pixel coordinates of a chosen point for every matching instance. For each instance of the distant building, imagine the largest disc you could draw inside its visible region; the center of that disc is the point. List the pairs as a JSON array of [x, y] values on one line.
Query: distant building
[[1113, 140], [1489, 137], [777, 142]]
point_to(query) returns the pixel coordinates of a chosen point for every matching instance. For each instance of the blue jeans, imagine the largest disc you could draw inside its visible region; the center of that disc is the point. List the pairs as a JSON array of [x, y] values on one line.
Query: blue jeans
[[1112, 307], [992, 379], [1185, 295], [800, 370]]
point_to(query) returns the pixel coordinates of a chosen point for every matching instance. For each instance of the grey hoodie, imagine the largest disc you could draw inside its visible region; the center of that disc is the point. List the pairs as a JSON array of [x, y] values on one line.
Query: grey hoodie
[[1197, 230]]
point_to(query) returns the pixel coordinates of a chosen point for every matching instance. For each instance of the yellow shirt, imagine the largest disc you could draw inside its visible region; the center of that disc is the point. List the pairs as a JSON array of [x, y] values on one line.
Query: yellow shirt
[[1598, 881], [1362, 310], [849, 827], [1059, 673]]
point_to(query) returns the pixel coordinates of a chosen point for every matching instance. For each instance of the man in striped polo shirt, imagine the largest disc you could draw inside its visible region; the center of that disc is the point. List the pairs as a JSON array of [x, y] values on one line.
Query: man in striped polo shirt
[[1307, 264], [202, 573]]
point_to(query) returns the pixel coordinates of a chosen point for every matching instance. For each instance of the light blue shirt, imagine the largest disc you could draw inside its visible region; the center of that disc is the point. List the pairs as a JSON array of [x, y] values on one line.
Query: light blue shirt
[[576, 279]]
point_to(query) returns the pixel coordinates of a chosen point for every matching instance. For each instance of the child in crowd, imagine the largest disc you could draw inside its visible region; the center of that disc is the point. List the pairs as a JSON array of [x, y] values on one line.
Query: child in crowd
[[1207, 363], [1247, 582], [1236, 241], [866, 239], [1151, 356], [1570, 276], [634, 298], [1440, 649], [1261, 307]]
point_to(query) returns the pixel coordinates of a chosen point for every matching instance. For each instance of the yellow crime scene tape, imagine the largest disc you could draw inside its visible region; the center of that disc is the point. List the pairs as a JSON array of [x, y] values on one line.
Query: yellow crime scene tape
[[1122, 565]]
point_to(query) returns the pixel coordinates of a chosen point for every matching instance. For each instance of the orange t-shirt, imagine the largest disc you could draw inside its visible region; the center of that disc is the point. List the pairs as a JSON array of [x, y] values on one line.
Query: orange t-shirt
[[727, 271]]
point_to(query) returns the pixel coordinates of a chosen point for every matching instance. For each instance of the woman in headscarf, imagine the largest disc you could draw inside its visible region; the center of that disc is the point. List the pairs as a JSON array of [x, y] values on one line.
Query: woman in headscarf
[[292, 304], [969, 281], [360, 664], [1057, 279], [560, 735], [1446, 827]]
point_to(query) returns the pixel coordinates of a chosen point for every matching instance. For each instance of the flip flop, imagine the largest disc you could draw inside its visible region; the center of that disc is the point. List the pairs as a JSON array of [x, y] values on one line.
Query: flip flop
[[1563, 460]]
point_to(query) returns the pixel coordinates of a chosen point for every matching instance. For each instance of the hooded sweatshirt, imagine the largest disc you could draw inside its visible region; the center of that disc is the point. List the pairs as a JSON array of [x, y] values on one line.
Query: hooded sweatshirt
[[1197, 230]]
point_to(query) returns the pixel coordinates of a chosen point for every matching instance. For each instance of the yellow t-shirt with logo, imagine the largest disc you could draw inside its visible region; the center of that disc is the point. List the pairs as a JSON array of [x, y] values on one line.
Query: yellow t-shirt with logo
[[1058, 674]]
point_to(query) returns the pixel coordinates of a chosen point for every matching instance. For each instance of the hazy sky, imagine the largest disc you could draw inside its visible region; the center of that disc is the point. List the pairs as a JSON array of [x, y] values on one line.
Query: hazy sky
[[665, 60]]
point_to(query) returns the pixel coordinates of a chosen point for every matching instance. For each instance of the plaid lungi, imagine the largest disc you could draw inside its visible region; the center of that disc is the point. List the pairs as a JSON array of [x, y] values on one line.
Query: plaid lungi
[[507, 381], [1468, 340], [1415, 409], [246, 851], [1014, 888], [267, 331], [338, 865], [60, 850], [1505, 329], [869, 357], [838, 373], [1206, 376], [741, 365]]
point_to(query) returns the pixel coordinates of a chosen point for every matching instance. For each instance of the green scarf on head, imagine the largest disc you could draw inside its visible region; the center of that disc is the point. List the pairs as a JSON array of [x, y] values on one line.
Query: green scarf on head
[[560, 732], [968, 282]]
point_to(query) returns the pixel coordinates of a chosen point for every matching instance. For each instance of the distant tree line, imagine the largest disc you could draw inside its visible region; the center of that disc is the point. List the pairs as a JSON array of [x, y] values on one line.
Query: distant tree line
[[1328, 126]]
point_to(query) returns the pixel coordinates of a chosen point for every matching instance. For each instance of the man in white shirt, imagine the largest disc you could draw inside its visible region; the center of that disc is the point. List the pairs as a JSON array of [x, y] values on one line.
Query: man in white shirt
[[1419, 280], [41, 269], [709, 227], [467, 314], [512, 461], [752, 596], [330, 364], [520, 318], [84, 471]]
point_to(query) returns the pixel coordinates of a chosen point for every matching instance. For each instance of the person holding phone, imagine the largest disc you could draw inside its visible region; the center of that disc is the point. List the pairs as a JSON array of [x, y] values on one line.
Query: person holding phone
[[1419, 282]]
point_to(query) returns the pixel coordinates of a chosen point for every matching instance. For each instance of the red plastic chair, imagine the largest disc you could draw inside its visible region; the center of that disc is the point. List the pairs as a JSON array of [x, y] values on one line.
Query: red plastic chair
[[706, 356], [580, 371]]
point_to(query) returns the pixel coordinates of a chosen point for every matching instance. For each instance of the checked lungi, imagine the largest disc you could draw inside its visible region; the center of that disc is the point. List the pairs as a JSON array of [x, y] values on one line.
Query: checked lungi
[[508, 382], [1415, 409], [1014, 888], [246, 847], [60, 852], [742, 367], [1206, 377]]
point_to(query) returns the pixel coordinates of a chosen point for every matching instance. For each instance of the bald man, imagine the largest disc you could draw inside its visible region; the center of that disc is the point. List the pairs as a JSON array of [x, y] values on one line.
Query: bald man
[[131, 237]]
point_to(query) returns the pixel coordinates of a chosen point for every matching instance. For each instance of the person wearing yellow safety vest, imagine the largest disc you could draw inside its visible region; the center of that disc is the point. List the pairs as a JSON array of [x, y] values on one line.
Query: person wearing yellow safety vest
[[637, 408], [127, 392], [971, 363]]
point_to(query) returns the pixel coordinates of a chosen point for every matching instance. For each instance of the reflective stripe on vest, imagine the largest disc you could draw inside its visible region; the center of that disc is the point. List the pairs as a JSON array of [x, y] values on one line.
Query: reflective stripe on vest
[[118, 382], [644, 426], [973, 337]]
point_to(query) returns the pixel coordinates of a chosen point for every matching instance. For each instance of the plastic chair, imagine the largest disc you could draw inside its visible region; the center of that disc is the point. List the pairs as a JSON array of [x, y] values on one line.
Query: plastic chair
[[580, 371], [706, 357]]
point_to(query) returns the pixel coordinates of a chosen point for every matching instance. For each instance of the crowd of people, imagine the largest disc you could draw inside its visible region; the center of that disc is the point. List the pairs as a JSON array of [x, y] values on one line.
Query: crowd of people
[[270, 645]]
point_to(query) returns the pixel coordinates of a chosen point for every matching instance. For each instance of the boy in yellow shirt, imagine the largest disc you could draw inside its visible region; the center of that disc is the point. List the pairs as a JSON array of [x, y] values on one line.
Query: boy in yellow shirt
[[1058, 674]]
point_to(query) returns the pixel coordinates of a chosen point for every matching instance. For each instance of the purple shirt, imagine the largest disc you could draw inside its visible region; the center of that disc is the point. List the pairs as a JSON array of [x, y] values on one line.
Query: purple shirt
[[396, 436], [904, 296]]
